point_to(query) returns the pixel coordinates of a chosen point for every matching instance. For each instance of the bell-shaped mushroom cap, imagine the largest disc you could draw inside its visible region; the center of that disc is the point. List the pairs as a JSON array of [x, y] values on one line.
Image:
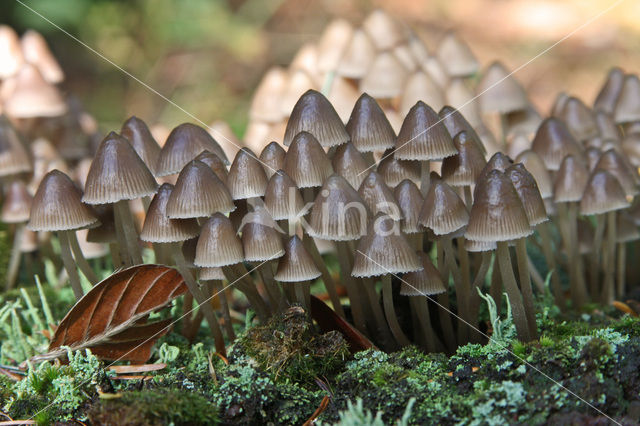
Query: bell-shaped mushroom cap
[[183, 144], [553, 142], [423, 283], [571, 180], [306, 59], [384, 31], [527, 189], [423, 136], [460, 96], [378, 196], [57, 205], [343, 95], [218, 244], [500, 92], [338, 212], [615, 164], [497, 213], [626, 229], [558, 104], [282, 198], [455, 123], [610, 91], [603, 194], [526, 121], [456, 56], [418, 48], [368, 126], [534, 164], [436, 71], [137, 133], [410, 202], [606, 126], [261, 238], [421, 87], [36, 52], [357, 57], [105, 231], [579, 119], [29, 95], [384, 250], [443, 212], [159, 228], [306, 162], [209, 274], [498, 161], [11, 58], [272, 158], [393, 171], [265, 105], [479, 246], [215, 164], [385, 78], [300, 81], [17, 203], [198, 193], [405, 56], [593, 156], [333, 43], [314, 113], [465, 167], [117, 173], [349, 163], [246, 178], [14, 158], [296, 265], [628, 104]]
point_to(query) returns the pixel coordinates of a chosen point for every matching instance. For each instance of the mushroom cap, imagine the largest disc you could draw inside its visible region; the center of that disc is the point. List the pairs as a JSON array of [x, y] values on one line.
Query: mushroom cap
[[579, 119], [105, 231], [11, 58], [527, 189], [14, 158], [479, 246], [349, 163], [606, 126], [410, 201], [117, 173], [139, 136], [282, 198], [300, 81], [423, 136], [498, 161], [272, 158], [296, 265], [218, 244], [497, 214], [314, 113], [216, 164], [385, 78], [615, 164], [626, 229], [459, 95], [500, 92], [553, 142], [368, 126], [465, 167], [610, 91], [571, 180], [357, 56], [421, 87], [29, 95], [183, 144], [265, 105], [394, 171], [17, 203], [384, 250], [384, 30], [57, 205], [456, 57], [306, 162], [36, 52], [526, 121], [209, 274], [628, 104], [261, 238], [338, 212], [443, 211], [455, 123], [425, 282], [332, 44], [246, 178], [603, 194], [159, 228], [198, 193], [534, 164], [378, 196]]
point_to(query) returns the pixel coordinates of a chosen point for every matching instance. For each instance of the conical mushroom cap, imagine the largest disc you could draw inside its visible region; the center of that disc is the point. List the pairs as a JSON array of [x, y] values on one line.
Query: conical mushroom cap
[[17, 203], [402, 52], [606, 126], [272, 158], [628, 104], [479, 246], [349, 163], [534, 164], [208, 274], [11, 58], [455, 123], [333, 43], [615, 164], [579, 119], [498, 161], [36, 52], [183, 144], [139, 136], [261, 238], [443, 212], [338, 212], [57, 205], [357, 57], [421, 87], [246, 178], [296, 265], [500, 92], [423, 136], [527, 189], [198, 193], [218, 244], [215, 164], [393, 171], [306, 59], [306, 162], [525, 122], [460, 96], [385, 32], [603, 194], [105, 232], [423, 283], [343, 95], [265, 105], [385, 78], [553, 142], [497, 213], [436, 71], [31, 96], [14, 158], [410, 202], [610, 91], [571, 180], [300, 81], [456, 56], [378, 196], [384, 250], [465, 167], [282, 198], [158, 228], [631, 148], [368, 127], [314, 113], [117, 173]]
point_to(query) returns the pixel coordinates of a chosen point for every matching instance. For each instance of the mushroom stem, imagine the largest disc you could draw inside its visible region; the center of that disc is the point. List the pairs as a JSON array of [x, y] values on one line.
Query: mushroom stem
[[81, 261], [115, 256], [581, 286], [609, 264], [381, 327], [463, 257], [327, 279], [69, 264], [495, 290], [556, 285], [237, 275], [392, 319], [14, 260], [123, 214], [421, 307], [515, 298], [595, 262], [461, 292], [219, 291], [350, 283], [621, 269], [535, 275], [474, 299], [525, 286], [270, 285], [303, 295], [425, 178], [444, 313]]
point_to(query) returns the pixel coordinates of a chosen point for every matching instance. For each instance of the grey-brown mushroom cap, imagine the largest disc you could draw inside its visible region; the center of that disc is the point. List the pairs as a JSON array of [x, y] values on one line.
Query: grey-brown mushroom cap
[[159, 228], [218, 244], [296, 265]]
